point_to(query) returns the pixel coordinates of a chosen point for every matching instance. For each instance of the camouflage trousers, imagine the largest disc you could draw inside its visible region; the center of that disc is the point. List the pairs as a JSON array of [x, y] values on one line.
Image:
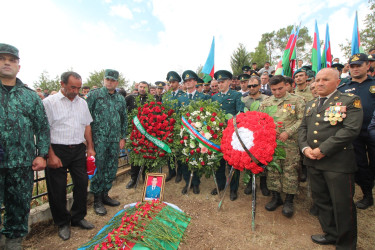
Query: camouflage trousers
[[287, 181], [16, 186], [106, 161]]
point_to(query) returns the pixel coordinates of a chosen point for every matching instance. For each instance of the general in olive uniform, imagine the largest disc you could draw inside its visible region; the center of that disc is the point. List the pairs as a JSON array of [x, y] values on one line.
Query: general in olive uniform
[[329, 126], [24, 139], [230, 103], [110, 121], [290, 112]]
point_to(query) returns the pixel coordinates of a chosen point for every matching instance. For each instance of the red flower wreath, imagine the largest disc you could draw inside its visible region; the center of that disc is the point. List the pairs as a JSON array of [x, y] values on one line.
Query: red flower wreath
[[257, 131]]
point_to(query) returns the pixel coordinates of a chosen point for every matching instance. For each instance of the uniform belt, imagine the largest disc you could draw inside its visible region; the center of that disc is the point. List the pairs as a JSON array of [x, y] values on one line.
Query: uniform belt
[[68, 146]]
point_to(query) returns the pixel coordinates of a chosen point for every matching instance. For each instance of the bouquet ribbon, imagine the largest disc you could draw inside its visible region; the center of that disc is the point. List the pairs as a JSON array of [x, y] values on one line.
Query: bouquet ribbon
[[199, 137], [151, 138]]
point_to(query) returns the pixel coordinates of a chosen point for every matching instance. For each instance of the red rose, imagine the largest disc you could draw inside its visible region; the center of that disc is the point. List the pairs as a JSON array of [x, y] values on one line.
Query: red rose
[[185, 137], [221, 124], [198, 150], [202, 163], [162, 154], [212, 119], [187, 114], [209, 152], [214, 114], [198, 117], [182, 141], [170, 140], [187, 159], [214, 136], [201, 109], [192, 152], [158, 103], [189, 121], [212, 132], [208, 128]]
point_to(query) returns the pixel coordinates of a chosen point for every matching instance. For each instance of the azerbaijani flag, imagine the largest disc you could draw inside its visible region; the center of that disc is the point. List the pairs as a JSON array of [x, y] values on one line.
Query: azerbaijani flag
[[316, 59], [326, 54], [209, 66], [356, 41], [286, 70], [279, 67]]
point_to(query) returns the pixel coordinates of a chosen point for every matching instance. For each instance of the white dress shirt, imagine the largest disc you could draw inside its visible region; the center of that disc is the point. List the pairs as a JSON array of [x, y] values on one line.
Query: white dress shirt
[[67, 119]]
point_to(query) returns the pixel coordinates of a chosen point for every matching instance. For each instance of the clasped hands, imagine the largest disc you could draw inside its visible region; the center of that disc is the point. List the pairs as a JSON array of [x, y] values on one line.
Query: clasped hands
[[313, 154]]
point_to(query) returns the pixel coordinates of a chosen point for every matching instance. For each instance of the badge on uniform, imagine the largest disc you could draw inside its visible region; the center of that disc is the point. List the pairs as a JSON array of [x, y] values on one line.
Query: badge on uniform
[[335, 114], [372, 89], [289, 107], [357, 104]]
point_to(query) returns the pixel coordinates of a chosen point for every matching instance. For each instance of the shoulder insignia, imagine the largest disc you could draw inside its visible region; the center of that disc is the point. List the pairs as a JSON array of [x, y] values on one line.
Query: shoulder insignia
[[357, 104], [350, 94], [372, 89]]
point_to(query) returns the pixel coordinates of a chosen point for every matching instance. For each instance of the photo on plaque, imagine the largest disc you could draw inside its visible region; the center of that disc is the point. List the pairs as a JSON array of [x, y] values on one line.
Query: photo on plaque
[[154, 187]]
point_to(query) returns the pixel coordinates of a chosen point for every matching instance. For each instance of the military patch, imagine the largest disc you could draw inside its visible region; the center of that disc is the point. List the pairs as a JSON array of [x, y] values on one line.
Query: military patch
[[336, 98], [355, 58], [357, 104], [372, 89]]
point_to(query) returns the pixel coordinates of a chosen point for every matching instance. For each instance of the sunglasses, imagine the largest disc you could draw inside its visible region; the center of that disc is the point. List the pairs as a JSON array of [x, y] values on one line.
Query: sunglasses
[[253, 86]]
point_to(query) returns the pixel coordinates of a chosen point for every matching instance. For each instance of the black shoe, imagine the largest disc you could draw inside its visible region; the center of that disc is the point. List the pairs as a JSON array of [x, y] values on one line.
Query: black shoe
[[109, 201], [314, 211], [214, 191], [169, 177], [275, 202], [64, 232], [249, 188], [178, 178], [303, 176], [84, 224], [196, 189], [288, 206], [184, 190], [263, 186], [322, 240], [98, 205], [130, 184], [366, 202], [233, 195]]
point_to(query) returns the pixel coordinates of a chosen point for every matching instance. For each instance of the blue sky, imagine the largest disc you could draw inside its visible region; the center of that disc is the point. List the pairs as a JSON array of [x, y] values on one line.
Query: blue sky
[[144, 39]]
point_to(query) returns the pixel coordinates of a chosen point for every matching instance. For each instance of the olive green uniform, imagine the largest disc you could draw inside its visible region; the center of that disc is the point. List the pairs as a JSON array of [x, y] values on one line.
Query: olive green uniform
[[290, 112], [24, 135], [247, 100], [305, 93], [109, 126]]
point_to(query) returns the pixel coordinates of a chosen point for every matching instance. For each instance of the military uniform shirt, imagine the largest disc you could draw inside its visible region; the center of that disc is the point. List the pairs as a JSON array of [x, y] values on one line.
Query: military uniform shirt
[[247, 100], [230, 101], [22, 116], [305, 93]]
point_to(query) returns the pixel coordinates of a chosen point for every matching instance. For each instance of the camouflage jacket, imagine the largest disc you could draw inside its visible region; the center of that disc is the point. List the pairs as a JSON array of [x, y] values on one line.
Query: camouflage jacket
[[24, 126], [109, 114], [305, 93]]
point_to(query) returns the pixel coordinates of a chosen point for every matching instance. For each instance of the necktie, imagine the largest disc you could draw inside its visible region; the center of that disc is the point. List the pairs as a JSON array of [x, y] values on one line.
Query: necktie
[[173, 94], [190, 96], [321, 102]]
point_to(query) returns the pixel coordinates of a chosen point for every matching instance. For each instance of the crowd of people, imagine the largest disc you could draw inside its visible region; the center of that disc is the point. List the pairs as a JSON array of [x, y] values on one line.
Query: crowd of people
[[328, 131]]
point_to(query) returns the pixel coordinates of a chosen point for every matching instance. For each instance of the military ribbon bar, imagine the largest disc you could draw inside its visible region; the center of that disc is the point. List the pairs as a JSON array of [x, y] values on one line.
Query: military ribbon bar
[[151, 138], [199, 137]]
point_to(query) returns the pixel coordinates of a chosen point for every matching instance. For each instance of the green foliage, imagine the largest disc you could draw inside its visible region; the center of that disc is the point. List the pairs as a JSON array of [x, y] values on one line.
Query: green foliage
[[239, 58], [96, 79], [255, 106], [45, 82]]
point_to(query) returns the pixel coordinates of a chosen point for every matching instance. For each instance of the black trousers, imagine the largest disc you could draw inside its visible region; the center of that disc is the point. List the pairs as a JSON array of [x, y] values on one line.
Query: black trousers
[[134, 171], [172, 171], [333, 195], [74, 159], [222, 180]]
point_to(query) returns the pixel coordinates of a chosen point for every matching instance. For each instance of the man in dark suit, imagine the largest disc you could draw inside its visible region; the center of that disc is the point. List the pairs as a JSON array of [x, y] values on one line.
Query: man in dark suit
[[265, 87], [330, 124]]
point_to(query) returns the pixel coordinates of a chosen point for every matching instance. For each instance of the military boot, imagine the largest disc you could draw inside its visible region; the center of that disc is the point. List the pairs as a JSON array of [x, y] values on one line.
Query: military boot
[[98, 205], [13, 244], [366, 201], [109, 201], [249, 188], [275, 202], [288, 206], [263, 186], [303, 175]]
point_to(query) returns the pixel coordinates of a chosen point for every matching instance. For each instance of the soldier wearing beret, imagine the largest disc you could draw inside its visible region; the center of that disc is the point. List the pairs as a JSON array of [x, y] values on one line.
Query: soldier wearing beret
[[159, 90], [110, 121], [24, 128], [330, 124], [174, 79], [190, 78], [364, 86], [290, 112], [230, 102]]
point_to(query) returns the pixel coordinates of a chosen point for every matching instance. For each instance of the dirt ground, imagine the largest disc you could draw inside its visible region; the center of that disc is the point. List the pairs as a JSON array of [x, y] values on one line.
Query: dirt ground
[[229, 228]]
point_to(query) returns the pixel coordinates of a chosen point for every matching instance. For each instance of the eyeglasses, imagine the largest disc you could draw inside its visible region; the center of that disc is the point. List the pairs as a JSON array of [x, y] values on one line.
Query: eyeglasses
[[253, 86]]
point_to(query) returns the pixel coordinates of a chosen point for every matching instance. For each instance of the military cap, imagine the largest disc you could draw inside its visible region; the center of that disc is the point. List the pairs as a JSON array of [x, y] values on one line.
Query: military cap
[[222, 75], [358, 59], [310, 74], [160, 84], [199, 82], [307, 67], [173, 76], [300, 70], [244, 77], [246, 68], [111, 74], [207, 83], [371, 57], [189, 74], [9, 49], [337, 66], [253, 73]]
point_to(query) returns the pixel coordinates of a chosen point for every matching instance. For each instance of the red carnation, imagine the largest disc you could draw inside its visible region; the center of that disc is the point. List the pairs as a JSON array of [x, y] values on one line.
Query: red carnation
[[198, 117], [170, 140], [212, 119], [192, 152], [202, 163], [187, 114], [182, 141], [201, 109], [161, 154], [198, 150], [221, 124], [214, 114], [185, 137], [209, 152], [208, 128], [214, 136]]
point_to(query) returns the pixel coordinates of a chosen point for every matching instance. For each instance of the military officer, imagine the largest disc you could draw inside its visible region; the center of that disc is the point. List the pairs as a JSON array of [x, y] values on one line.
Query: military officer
[[174, 79], [159, 90], [110, 121], [206, 87], [244, 82], [199, 85], [246, 69], [329, 126], [190, 78], [24, 128], [230, 103], [364, 86], [290, 112]]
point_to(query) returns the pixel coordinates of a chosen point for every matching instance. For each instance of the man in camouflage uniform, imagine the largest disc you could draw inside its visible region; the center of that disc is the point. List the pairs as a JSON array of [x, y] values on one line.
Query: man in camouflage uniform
[[110, 121], [23, 122], [290, 112], [174, 79]]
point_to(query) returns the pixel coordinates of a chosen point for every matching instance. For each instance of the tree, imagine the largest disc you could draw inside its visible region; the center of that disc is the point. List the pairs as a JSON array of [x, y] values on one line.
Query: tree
[[45, 82], [239, 58], [96, 79]]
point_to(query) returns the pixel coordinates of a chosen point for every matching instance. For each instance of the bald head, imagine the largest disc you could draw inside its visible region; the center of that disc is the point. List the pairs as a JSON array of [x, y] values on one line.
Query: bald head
[[327, 81]]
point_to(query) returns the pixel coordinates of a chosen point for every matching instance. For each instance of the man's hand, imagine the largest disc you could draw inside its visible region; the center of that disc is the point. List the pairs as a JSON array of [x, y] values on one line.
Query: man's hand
[[283, 136], [39, 163], [122, 143], [54, 162], [318, 155], [90, 152], [308, 153]]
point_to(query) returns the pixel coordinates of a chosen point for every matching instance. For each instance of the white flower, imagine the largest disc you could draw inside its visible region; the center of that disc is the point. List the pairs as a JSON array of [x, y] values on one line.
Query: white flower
[[192, 144], [247, 137], [185, 151], [208, 113], [214, 123], [207, 135], [198, 125]]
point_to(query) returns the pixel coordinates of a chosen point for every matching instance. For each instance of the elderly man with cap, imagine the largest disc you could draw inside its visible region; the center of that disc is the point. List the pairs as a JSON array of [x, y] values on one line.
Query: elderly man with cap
[[362, 85], [24, 142], [190, 78], [110, 121], [174, 79], [230, 103]]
